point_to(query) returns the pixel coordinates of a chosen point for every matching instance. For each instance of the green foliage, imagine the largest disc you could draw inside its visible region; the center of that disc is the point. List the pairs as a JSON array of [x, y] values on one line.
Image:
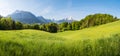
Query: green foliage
[[102, 40], [6, 23], [52, 27], [96, 19], [18, 25], [75, 25], [36, 26], [26, 26], [69, 27], [88, 21], [63, 26], [43, 27], [0, 16], [9, 24]]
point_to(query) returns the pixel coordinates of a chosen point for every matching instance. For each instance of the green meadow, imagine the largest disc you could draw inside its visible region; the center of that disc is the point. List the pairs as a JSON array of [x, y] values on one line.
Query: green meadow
[[103, 40]]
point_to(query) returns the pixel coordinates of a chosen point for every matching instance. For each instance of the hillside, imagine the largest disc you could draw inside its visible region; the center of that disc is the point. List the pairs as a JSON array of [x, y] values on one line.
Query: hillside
[[91, 33], [69, 43], [94, 32], [105, 30]]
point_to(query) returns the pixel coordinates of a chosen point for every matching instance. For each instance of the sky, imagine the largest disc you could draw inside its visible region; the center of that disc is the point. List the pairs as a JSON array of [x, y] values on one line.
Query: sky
[[59, 9]]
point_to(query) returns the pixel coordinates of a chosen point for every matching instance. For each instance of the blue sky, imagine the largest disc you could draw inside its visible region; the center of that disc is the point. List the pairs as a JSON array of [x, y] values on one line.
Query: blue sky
[[59, 9]]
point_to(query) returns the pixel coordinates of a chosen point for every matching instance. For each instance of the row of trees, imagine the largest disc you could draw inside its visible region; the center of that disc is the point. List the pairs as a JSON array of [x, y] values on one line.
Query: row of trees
[[96, 19], [9, 24], [88, 21], [51, 27], [69, 26]]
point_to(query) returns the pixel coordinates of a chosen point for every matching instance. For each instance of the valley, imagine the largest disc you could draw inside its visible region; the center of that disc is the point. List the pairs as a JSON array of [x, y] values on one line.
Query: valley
[[59, 28], [100, 40]]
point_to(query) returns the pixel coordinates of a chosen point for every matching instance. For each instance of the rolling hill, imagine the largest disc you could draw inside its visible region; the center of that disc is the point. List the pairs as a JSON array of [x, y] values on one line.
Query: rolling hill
[[94, 32], [94, 41]]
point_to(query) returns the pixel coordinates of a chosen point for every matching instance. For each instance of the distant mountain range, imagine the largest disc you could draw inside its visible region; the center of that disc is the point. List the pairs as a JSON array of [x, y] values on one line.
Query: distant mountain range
[[29, 18], [66, 20]]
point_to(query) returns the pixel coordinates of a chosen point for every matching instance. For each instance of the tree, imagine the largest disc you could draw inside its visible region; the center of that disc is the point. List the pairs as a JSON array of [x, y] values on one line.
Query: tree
[[69, 27], [43, 27], [75, 25], [0, 16], [26, 26], [18, 25], [52, 27], [36, 26], [13, 25], [63, 26], [96, 19], [6, 23]]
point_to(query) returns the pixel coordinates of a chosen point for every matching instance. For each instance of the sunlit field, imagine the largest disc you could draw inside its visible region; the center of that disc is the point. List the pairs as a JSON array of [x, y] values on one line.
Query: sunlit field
[[101, 40], [101, 31]]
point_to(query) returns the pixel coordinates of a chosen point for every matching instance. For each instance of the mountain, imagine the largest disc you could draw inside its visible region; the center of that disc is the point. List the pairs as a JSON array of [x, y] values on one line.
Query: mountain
[[29, 18], [69, 20], [24, 17], [41, 18], [44, 20]]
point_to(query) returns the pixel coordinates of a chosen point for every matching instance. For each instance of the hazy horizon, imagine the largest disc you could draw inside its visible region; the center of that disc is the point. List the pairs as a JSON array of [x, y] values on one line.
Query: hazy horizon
[[59, 9]]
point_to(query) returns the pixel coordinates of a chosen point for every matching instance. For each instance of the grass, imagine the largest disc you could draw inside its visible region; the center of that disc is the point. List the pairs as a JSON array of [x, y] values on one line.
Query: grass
[[94, 32], [95, 41]]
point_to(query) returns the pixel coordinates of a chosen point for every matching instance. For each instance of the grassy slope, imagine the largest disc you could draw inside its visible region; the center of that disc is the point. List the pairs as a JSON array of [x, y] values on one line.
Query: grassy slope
[[27, 43], [94, 32], [39, 43], [88, 33]]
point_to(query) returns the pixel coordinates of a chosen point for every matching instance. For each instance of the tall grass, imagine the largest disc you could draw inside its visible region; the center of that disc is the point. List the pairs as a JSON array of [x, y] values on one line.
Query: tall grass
[[61, 47]]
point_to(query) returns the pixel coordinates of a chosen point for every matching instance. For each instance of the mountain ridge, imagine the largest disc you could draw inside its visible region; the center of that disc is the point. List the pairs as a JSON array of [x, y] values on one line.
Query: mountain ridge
[[30, 18]]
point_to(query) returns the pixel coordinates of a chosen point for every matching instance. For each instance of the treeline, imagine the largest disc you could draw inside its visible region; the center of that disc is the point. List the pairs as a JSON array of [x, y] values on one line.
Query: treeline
[[6, 23], [9, 24], [88, 21], [97, 19]]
